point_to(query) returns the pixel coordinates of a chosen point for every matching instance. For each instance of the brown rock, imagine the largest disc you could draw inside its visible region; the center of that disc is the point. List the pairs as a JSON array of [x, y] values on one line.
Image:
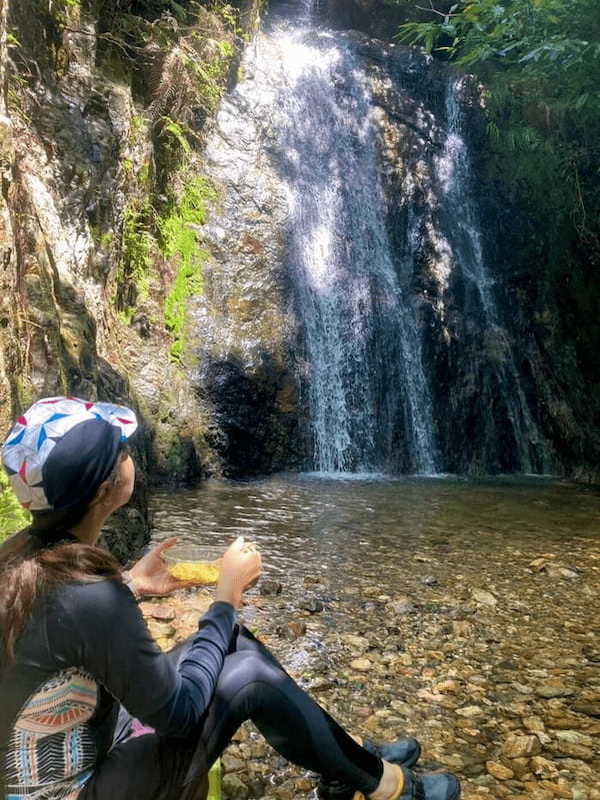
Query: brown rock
[[516, 746], [292, 630], [520, 766], [449, 686], [161, 630], [231, 763], [361, 664], [462, 628], [157, 611], [557, 789], [554, 688], [499, 771], [537, 792], [542, 767], [233, 787]]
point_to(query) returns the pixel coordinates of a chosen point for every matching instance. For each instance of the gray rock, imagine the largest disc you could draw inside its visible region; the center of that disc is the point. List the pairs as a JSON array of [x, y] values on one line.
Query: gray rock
[[313, 606], [268, 587]]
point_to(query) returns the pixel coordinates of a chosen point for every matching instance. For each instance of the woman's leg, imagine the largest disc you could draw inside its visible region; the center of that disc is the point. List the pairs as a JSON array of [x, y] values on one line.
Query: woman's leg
[[253, 685]]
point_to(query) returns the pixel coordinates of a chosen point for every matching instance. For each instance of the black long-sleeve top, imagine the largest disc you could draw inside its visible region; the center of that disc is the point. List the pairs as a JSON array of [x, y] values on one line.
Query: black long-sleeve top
[[85, 649]]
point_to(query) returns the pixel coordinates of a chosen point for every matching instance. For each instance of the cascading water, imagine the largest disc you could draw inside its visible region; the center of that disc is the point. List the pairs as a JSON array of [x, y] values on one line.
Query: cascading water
[[465, 235], [368, 394], [349, 303]]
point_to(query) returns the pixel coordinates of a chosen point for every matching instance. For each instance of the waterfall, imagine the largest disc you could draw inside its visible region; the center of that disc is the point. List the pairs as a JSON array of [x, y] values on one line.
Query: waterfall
[[367, 392], [351, 321], [455, 176]]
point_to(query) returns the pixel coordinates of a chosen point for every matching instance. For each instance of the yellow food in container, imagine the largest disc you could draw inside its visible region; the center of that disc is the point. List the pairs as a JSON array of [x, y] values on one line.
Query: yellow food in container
[[205, 572]]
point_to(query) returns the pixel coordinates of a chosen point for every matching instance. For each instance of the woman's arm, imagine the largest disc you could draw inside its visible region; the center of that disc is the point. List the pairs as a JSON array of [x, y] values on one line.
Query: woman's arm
[[104, 632]]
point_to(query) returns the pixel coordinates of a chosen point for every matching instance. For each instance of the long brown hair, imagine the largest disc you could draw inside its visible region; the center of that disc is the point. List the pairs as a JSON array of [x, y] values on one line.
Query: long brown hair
[[41, 557]]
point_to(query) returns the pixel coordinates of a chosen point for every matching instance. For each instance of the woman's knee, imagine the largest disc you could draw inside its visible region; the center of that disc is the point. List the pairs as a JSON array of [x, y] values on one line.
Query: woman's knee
[[247, 669]]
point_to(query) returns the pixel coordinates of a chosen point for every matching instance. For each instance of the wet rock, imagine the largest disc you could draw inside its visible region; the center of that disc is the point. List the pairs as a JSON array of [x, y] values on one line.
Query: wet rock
[[400, 606], [534, 724], [483, 597], [462, 628], [292, 630], [445, 687], [356, 643], [268, 587], [320, 684], [313, 606], [470, 712], [556, 572], [592, 653], [561, 720]]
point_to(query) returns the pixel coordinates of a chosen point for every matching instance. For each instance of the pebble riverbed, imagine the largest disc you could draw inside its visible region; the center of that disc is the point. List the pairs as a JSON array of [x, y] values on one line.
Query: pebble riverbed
[[475, 630]]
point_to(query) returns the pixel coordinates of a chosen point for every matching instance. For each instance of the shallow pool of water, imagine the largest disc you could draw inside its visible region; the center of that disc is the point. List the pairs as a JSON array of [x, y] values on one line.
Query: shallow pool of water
[[305, 523], [461, 612]]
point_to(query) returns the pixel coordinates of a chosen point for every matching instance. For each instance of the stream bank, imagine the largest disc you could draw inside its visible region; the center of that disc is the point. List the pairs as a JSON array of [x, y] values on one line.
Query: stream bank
[[461, 613]]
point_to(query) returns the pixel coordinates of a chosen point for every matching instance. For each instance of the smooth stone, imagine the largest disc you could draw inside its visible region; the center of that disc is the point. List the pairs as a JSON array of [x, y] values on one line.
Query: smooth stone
[[589, 709], [361, 664], [484, 597]]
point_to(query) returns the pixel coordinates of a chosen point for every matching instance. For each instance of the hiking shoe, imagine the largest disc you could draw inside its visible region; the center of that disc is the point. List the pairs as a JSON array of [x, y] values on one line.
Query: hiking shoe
[[442, 786], [405, 751]]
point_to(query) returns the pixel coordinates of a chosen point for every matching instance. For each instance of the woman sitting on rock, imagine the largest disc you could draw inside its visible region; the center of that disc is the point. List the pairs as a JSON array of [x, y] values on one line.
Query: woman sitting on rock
[[79, 668]]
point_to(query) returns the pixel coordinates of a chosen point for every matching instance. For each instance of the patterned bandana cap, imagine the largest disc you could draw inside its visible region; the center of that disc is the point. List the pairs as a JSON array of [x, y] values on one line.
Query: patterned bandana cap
[[62, 448]]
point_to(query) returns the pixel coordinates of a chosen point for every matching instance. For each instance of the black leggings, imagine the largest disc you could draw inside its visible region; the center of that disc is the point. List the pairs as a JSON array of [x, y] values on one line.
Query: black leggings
[[252, 685]]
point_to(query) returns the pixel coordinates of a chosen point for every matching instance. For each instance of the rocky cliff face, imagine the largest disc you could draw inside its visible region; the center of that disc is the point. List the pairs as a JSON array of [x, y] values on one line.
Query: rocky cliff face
[[498, 402], [102, 113]]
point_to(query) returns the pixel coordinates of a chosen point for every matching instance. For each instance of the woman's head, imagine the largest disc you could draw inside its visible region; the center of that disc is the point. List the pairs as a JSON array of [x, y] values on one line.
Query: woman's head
[[62, 450], [112, 493]]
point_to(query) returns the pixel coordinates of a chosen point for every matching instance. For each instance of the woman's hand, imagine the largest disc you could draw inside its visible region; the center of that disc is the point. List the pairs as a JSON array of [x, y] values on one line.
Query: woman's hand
[[151, 576], [241, 567]]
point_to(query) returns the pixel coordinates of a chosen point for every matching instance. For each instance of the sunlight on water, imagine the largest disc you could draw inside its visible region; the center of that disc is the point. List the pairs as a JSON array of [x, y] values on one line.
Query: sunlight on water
[[302, 522]]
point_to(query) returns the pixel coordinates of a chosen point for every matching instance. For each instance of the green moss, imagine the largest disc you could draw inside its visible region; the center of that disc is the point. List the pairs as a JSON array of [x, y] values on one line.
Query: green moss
[[13, 516], [138, 244], [179, 240], [25, 391], [106, 239]]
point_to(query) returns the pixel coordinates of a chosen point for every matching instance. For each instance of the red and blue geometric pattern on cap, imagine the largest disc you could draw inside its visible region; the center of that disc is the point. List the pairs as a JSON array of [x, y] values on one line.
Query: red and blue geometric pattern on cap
[[35, 434]]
